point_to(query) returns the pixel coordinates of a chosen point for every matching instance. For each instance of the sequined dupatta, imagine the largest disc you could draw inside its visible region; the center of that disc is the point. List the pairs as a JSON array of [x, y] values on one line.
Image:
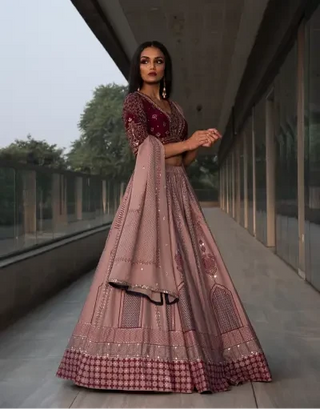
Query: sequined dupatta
[[143, 263]]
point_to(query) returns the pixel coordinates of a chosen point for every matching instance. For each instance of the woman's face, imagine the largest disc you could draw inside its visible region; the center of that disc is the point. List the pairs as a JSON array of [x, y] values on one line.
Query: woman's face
[[152, 65]]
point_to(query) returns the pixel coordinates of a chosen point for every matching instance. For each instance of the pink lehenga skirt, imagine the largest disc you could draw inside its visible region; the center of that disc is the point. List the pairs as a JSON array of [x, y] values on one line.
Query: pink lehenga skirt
[[202, 340]]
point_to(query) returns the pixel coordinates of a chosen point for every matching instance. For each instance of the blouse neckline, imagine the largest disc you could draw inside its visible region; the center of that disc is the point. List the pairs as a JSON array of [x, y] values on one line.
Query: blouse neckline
[[168, 114]]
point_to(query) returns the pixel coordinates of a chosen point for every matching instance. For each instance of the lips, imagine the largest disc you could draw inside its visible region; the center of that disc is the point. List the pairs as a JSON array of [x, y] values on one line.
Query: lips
[[153, 74]]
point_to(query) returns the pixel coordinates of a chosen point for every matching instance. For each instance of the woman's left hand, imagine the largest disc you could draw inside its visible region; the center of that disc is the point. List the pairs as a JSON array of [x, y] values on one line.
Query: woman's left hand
[[213, 136]]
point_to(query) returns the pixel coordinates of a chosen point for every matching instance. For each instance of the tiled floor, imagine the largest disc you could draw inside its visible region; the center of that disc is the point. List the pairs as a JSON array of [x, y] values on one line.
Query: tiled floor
[[284, 310]]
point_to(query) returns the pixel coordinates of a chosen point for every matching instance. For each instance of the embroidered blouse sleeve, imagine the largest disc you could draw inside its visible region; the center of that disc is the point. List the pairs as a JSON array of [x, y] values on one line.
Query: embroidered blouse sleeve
[[135, 121]]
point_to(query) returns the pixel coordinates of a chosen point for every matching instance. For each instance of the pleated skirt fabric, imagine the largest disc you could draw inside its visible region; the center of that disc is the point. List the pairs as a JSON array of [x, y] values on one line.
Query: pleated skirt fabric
[[204, 342]]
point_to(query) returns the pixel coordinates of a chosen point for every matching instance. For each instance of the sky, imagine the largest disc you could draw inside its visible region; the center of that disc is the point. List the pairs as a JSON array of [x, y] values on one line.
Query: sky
[[50, 64]]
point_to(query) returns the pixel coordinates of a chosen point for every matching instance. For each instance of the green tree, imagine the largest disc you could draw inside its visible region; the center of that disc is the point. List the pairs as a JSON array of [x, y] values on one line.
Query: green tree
[[35, 152], [202, 172], [103, 147]]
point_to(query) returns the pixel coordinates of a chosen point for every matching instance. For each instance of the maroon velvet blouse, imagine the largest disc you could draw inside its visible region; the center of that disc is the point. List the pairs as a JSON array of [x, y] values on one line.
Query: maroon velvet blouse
[[143, 117]]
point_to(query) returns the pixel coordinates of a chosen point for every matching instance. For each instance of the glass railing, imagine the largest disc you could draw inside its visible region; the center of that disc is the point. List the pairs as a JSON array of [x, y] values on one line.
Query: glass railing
[[39, 205], [207, 195]]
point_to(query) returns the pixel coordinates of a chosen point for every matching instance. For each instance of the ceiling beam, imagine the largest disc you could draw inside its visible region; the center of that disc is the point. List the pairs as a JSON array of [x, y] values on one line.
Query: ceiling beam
[[251, 18]]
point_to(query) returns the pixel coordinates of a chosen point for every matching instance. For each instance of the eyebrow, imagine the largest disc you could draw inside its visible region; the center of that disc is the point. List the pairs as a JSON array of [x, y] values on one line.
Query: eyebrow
[[145, 56]]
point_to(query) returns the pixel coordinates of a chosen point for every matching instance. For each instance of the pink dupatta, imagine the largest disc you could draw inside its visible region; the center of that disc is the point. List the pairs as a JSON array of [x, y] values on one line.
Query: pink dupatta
[[143, 263]]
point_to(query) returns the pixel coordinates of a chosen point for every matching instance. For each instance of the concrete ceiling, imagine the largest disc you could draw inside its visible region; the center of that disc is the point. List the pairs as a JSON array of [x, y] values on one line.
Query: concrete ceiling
[[209, 41]]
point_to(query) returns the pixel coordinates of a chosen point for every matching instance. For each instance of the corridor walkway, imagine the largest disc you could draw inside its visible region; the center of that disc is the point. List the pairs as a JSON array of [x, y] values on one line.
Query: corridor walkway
[[284, 310]]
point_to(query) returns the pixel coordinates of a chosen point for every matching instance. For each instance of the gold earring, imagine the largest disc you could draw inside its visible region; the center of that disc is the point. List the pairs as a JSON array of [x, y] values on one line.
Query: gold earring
[[164, 93]]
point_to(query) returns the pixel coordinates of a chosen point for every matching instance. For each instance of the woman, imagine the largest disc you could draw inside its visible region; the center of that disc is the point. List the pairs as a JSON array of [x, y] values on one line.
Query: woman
[[162, 313]]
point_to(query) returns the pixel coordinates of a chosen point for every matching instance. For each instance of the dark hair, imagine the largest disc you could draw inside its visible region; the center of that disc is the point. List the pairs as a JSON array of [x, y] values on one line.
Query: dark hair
[[135, 80]]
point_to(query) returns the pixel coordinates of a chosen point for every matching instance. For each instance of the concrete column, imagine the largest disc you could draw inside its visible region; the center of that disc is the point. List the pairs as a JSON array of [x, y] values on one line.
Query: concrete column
[[59, 202], [108, 197], [79, 196], [55, 200], [233, 184], [121, 191], [270, 171], [224, 188], [30, 201], [115, 198], [64, 182], [227, 183], [245, 178], [221, 188], [238, 184], [104, 196], [300, 147], [254, 188]]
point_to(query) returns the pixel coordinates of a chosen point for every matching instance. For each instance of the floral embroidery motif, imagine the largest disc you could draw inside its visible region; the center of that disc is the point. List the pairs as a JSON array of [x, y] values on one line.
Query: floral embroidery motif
[[202, 246], [209, 261], [142, 118], [210, 264], [178, 259]]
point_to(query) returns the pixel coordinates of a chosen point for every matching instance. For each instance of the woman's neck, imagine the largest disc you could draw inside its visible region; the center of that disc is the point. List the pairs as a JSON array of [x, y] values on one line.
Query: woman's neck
[[152, 90]]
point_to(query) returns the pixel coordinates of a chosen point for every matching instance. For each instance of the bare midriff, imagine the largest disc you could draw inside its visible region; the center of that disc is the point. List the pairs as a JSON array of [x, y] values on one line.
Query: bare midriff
[[175, 160]]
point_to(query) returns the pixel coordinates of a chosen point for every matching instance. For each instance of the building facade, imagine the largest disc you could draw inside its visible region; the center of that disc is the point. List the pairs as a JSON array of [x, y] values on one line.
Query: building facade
[[270, 156]]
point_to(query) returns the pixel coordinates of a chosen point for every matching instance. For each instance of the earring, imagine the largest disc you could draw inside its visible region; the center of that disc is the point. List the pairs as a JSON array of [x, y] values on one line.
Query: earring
[[138, 89], [164, 93]]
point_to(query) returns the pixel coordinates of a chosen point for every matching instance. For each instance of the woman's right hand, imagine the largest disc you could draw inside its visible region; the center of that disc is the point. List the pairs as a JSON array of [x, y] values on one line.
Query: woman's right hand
[[198, 139]]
